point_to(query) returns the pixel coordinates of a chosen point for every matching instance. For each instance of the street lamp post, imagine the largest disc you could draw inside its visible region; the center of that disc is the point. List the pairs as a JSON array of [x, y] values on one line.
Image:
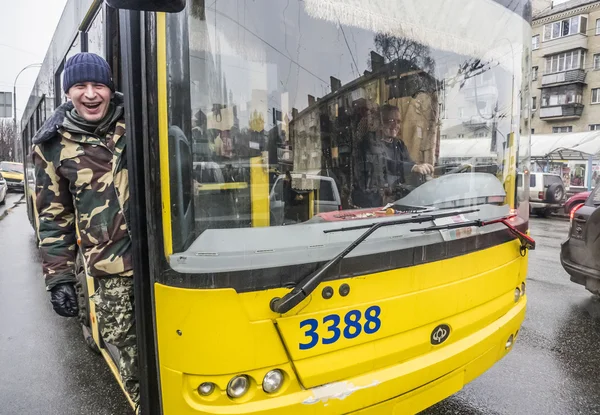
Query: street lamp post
[[33, 65]]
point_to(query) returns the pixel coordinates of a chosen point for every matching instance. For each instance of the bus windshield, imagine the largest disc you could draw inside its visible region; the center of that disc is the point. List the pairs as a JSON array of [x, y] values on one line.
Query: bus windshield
[[287, 119]]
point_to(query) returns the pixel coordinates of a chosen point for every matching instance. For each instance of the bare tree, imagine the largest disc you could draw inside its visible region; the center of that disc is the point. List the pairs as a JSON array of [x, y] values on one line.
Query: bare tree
[[394, 48], [197, 9], [7, 140]]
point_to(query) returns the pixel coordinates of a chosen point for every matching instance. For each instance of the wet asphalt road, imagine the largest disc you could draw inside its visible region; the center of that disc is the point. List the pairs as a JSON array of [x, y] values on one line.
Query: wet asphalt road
[[554, 368], [10, 200], [45, 366]]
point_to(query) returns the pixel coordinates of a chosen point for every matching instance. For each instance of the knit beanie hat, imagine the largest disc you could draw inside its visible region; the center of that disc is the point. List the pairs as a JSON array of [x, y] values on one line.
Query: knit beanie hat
[[86, 67]]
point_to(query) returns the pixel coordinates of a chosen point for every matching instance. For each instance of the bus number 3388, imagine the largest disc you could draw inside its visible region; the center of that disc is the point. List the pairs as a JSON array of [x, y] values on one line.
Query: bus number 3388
[[353, 324]]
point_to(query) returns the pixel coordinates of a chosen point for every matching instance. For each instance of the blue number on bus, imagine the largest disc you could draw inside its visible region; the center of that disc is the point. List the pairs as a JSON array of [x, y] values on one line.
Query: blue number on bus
[[312, 333], [335, 322], [353, 326], [372, 317]]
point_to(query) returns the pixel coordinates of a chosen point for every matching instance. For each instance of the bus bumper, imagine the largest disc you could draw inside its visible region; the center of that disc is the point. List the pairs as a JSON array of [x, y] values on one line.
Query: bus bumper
[[405, 388]]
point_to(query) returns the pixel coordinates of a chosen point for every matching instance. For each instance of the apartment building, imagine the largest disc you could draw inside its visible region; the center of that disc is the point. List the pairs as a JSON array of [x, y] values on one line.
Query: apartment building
[[566, 68]]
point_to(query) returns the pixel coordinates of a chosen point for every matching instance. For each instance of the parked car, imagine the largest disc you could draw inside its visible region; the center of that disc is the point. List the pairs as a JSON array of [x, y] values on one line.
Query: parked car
[[546, 192], [13, 174], [3, 190], [579, 253], [576, 200]]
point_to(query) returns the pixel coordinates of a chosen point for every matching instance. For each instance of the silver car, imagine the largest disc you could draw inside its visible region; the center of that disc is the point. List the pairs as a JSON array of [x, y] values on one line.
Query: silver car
[[3, 190]]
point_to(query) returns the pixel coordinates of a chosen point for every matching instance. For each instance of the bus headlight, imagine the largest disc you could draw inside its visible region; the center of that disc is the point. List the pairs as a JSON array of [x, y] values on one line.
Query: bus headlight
[[238, 386], [517, 294], [206, 388], [509, 342], [272, 381], [522, 288]]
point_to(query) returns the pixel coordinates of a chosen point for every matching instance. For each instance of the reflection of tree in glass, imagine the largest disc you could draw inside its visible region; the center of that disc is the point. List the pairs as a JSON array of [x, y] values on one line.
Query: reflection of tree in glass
[[394, 48], [197, 9]]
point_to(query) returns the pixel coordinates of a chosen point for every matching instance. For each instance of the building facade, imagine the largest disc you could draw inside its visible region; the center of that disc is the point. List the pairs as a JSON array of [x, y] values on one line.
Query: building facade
[[6, 105], [566, 68]]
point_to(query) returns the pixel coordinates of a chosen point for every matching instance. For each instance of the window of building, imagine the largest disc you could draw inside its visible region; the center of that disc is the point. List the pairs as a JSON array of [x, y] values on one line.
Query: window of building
[[535, 42], [534, 73], [567, 27], [443, 112], [569, 94], [573, 59], [461, 112], [6, 105], [533, 131], [598, 26], [596, 61], [595, 95], [461, 136], [533, 103], [594, 127], [565, 129]]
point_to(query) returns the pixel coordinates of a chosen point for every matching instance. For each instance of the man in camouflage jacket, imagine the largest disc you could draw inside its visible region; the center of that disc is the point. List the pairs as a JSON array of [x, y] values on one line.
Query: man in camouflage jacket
[[82, 190]]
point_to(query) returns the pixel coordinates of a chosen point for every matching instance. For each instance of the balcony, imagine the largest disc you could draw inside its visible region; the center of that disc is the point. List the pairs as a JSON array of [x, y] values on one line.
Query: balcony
[[552, 47], [483, 92], [475, 123], [563, 78], [561, 112]]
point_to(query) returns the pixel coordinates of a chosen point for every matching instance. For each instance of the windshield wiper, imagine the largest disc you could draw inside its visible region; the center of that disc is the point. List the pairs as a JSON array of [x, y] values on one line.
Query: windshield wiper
[[527, 242], [309, 283]]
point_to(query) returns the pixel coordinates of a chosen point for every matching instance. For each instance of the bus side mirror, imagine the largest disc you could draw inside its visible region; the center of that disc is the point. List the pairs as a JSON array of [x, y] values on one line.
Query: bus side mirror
[[169, 6]]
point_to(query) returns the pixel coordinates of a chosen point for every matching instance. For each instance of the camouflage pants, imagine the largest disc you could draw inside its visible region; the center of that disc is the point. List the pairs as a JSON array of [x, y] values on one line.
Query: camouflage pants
[[116, 320]]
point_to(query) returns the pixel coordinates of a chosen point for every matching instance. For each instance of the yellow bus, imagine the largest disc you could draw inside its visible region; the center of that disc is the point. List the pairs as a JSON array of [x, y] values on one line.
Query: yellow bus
[[323, 204]]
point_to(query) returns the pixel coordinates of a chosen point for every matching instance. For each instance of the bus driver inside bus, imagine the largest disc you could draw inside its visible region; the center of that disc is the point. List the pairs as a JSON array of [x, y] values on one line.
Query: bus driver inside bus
[[82, 189], [384, 170]]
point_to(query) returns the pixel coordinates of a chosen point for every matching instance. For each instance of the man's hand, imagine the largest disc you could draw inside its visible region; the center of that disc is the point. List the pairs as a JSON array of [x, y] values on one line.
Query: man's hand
[[423, 169], [64, 299]]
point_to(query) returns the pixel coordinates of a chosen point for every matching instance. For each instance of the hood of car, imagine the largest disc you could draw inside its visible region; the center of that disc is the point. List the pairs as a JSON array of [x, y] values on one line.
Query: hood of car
[[12, 175], [579, 196]]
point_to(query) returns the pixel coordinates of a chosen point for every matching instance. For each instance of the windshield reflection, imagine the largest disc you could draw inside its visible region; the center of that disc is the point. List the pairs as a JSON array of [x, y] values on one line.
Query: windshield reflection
[[324, 116]]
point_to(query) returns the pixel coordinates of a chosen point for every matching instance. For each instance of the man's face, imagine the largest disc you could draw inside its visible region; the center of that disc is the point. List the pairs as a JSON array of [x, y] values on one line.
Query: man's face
[[90, 99], [391, 125]]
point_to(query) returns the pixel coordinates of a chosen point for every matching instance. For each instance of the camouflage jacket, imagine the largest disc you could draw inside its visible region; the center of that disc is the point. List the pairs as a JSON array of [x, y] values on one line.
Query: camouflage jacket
[[82, 188]]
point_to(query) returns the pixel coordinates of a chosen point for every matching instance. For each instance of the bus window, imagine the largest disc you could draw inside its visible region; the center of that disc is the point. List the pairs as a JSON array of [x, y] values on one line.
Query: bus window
[[60, 97], [361, 132], [95, 34], [75, 48]]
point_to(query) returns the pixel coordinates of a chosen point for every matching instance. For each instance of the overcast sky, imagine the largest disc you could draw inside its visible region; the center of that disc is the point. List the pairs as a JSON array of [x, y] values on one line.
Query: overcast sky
[[26, 29]]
